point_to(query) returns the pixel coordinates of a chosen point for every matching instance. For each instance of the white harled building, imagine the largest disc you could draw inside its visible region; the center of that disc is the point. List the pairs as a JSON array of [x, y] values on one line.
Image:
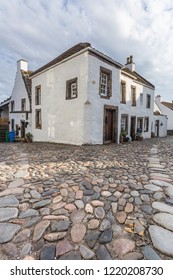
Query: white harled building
[[20, 102], [85, 97]]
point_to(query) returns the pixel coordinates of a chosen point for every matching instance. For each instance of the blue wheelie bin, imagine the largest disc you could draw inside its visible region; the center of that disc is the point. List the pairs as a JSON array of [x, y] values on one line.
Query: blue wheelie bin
[[12, 136]]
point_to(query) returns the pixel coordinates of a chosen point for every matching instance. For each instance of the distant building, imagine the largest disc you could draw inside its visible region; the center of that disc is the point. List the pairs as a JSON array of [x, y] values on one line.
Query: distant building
[[4, 119], [165, 108], [136, 102], [4, 109], [20, 102], [159, 127]]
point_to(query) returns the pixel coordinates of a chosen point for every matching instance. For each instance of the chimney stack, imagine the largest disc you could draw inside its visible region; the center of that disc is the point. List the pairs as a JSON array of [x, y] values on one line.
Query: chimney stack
[[158, 98], [22, 65], [130, 64]]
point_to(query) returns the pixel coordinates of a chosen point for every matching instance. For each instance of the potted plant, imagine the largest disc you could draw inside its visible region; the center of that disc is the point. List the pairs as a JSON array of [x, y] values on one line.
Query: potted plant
[[122, 135], [28, 137], [138, 135], [153, 135]]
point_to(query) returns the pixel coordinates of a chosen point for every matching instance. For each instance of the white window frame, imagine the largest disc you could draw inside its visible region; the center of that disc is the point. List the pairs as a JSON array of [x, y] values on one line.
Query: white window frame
[[104, 84], [73, 92], [140, 122], [124, 123]]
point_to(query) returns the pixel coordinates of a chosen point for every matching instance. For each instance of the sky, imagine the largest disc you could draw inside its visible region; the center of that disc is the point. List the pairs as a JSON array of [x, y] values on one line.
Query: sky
[[40, 30]]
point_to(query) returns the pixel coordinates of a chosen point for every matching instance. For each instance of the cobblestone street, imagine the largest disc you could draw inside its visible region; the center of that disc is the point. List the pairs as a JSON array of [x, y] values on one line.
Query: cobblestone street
[[90, 202]]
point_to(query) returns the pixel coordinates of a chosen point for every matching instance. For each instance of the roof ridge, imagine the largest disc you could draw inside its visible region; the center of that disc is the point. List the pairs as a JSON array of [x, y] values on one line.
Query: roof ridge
[[75, 49]]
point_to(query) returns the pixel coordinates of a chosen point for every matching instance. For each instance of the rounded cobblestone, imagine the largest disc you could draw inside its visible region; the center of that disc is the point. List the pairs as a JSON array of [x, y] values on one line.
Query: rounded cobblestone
[[89, 202]]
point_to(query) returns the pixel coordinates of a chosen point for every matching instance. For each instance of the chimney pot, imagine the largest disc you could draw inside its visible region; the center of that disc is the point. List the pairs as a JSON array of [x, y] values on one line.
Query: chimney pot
[[128, 60], [131, 59], [130, 64]]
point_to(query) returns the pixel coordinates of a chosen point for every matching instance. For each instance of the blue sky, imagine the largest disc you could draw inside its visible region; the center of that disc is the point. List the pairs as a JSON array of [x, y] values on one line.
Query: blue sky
[[40, 30]]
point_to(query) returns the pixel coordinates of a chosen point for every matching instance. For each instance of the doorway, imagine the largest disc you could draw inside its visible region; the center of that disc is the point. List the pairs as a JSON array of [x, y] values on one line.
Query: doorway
[[22, 129], [110, 124], [157, 128], [133, 128]]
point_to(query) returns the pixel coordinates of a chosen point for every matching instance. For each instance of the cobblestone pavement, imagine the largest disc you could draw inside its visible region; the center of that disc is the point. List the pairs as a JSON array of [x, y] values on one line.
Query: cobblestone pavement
[[91, 202]]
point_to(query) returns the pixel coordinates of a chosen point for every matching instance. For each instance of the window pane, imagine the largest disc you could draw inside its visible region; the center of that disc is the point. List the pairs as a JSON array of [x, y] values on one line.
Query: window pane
[[123, 92], [105, 86], [38, 119], [141, 98], [124, 123], [38, 95], [71, 89]]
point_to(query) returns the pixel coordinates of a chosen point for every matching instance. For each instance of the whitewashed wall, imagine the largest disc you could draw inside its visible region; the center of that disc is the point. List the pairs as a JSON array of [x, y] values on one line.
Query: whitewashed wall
[[162, 125], [19, 92], [62, 120], [94, 111], [165, 111], [138, 110]]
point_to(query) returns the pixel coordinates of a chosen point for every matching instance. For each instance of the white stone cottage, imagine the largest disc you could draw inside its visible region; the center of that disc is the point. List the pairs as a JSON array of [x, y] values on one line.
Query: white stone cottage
[[85, 97], [159, 122], [20, 103], [165, 108], [136, 102]]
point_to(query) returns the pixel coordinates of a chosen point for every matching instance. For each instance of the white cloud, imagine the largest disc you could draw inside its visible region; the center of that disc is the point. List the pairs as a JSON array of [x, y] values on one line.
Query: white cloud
[[39, 30]]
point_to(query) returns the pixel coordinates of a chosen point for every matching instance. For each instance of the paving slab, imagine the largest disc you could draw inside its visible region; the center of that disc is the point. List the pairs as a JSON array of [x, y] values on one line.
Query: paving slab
[[162, 239], [8, 213], [9, 201], [164, 219], [162, 207], [169, 191], [8, 231], [161, 183]]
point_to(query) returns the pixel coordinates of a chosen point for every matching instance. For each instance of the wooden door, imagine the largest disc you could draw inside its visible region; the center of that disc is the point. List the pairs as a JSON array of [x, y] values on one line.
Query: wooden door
[[110, 125], [22, 129], [133, 128], [157, 128]]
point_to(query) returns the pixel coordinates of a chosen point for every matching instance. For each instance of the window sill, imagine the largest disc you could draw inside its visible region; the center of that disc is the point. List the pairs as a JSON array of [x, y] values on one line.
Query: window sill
[[105, 97], [71, 98]]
